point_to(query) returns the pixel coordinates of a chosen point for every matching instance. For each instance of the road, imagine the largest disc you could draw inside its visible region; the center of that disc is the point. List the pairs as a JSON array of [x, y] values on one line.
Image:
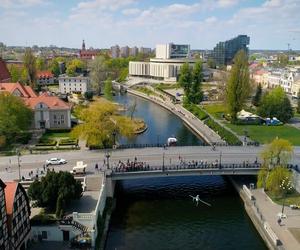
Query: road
[[152, 156]]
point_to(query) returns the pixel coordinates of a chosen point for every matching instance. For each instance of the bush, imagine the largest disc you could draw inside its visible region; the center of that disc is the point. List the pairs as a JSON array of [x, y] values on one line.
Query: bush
[[195, 110], [226, 135], [24, 137], [46, 142], [66, 142], [57, 130], [42, 219]]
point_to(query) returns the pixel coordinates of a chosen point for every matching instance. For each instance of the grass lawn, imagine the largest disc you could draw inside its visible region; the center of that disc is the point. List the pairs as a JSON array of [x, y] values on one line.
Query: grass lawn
[[55, 135], [291, 199], [297, 115], [216, 110], [265, 134]]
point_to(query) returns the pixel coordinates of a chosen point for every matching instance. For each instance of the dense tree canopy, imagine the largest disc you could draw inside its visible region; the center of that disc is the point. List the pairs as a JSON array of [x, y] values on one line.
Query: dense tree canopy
[[276, 104], [238, 85], [108, 89], [55, 188], [101, 122], [98, 73], [75, 67], [15, 117], [278, 152]]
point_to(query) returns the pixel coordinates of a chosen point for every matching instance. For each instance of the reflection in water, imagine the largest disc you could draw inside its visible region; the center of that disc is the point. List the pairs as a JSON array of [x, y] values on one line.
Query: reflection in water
[[161, 123]]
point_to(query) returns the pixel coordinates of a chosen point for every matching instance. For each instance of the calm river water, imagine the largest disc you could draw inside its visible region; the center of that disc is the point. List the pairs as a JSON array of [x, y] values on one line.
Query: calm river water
[[158, 214]]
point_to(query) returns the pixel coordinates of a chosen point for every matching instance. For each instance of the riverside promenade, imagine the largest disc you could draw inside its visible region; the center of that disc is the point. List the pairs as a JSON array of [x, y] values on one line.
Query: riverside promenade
[[193, 122], [264, 215]]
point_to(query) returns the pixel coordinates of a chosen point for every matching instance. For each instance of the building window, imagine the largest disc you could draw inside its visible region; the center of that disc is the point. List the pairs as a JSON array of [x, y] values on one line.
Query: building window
[[44, 235]]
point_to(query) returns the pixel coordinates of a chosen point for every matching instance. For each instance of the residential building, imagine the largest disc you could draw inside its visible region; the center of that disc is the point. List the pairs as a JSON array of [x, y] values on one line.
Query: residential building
[[4, 73], [124, 52], [50, 112], [166, 65], [224, 52], [4, 237], [115, 51], [143, 50], [74, 84], [133, 51], [260, 76], [45, 78], [87, 54], [18, 212]]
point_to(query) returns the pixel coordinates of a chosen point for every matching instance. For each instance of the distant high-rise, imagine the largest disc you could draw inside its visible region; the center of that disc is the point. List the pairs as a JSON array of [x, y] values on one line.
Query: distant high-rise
[[224, 52], [124, 52], [133, 51], [115, 51]]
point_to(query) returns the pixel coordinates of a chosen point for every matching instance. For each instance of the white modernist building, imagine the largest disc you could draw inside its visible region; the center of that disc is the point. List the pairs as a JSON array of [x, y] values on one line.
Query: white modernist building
[[74, 84], [166, 65]]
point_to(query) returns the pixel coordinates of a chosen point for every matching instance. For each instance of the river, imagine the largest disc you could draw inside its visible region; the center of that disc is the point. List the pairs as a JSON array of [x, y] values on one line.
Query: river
[[159, 213]]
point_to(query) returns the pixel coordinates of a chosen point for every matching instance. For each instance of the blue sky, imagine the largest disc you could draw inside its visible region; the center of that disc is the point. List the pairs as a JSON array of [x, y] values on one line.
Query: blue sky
[[271, 24]]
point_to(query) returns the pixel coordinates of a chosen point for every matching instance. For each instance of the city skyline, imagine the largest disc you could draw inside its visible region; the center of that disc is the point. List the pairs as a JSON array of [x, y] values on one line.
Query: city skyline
[[271, 24]]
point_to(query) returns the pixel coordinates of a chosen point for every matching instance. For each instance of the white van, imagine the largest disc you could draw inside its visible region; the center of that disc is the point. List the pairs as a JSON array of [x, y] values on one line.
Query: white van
[[79, 168]]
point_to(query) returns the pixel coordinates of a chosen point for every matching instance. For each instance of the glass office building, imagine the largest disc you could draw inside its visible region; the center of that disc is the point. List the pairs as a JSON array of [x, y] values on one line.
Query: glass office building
[[224, 52]]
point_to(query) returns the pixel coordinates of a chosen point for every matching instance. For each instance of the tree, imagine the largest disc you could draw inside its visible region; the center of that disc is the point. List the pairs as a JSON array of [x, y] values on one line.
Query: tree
[[54, 67], [15, 117], [74, 67], [108, 89], [275, 178], [88, 95], [30, 66], [256, 98], [276, 104], [55, 190], [41, 63], [238, 85], [98, 73], [282, 59], [278, 152], [185, 78], [101, 121], [211, 63], [196, 93]]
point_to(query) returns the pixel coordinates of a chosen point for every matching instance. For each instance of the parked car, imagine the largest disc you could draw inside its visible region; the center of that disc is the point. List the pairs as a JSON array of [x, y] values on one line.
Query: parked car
[[55, 161]]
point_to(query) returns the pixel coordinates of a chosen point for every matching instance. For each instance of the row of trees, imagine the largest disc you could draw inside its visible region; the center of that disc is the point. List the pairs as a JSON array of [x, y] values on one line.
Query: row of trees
[[190, 79]]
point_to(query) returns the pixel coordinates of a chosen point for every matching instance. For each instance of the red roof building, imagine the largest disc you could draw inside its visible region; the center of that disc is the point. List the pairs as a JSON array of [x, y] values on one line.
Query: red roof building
[[4, 239], [87, 53], [45, 78], [17, 211], [4, 73], [49, 111]]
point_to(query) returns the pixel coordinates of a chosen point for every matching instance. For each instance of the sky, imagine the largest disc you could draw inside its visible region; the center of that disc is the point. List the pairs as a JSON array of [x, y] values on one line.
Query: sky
[[271, 24]]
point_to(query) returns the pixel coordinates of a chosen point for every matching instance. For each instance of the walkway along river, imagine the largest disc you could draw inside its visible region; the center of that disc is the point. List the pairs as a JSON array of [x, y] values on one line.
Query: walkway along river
[[159, 214]]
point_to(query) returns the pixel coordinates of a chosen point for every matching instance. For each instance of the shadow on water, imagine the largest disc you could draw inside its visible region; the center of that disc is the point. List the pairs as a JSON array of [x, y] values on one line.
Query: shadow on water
[[159, 214]]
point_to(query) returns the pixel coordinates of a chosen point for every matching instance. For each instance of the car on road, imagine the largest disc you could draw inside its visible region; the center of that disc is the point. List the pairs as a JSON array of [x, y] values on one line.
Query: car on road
[[55, 161]]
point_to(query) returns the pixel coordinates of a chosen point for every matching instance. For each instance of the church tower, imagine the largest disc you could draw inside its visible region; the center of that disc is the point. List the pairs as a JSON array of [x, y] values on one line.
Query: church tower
[[83, 45]]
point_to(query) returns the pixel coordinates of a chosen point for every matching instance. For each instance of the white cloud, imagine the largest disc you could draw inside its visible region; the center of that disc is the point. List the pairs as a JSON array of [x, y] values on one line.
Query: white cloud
[[227, 3], [103, 4], [20, 3], [129, 12]]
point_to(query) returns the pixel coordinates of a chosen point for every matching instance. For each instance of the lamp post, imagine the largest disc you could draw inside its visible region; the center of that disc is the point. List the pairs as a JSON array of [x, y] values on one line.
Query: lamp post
[[285, 186], [163, 165], [19, 163], [107, 155], [220, 163], [157, 140], [114, 133]]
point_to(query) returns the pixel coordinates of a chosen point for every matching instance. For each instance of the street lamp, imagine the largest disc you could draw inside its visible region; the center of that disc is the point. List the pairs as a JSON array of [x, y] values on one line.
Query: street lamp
[[285, 186], [157, 140], [19, 163], [163, 165], [114, 133], [107, 155], [220, 165]]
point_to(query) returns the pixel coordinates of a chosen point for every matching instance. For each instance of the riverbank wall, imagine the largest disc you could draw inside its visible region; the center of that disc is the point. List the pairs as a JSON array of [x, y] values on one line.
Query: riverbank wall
[[208, 137], [256, 217]]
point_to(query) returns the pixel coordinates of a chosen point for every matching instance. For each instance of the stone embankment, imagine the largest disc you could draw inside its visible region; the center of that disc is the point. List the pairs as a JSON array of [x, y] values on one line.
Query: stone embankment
[[210, 136], [264, 214]]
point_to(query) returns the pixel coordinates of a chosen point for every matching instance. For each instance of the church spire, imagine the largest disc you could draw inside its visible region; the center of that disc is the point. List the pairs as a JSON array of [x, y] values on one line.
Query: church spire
[[83, 45]]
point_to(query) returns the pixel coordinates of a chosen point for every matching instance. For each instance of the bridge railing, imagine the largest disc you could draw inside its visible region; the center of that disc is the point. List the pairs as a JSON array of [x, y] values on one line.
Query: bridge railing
[[185, 166], [189, 166]]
